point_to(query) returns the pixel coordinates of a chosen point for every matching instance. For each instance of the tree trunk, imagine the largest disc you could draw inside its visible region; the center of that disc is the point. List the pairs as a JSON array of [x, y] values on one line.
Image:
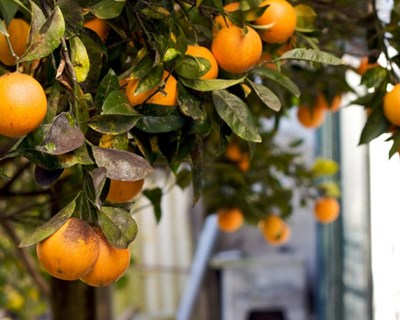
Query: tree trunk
[[78, 301]]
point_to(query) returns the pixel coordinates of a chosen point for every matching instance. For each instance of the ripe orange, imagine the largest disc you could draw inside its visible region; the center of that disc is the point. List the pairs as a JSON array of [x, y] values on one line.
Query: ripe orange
[[18, 30], [364, 66], [283, 16], [168, 96], [99, 26], [391, 105], [281, 238], [23, 104], [230, 219], [220, 22], [110, 265], [233, 152], [203, 52], [313, 117], [244, 163], [237, 50], [124, 191], [336, 103], [326, 209], [271, 227], [70, 252]]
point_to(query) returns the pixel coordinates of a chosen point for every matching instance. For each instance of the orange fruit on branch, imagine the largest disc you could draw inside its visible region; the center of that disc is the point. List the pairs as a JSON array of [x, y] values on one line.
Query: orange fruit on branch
[[167, 96], [203, 52], [230, 219], [23, 104], [326, 209], [315, 116], [391, 105], [274, 230], [124, 191], [237, 50], [70, 252], [282, 15], [18, 31], [110, 265], [220, 22], [99, 26]]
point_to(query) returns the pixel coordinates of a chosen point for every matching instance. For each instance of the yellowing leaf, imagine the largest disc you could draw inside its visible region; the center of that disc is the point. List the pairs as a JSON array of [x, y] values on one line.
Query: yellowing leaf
[[79, 58], [324, 167]]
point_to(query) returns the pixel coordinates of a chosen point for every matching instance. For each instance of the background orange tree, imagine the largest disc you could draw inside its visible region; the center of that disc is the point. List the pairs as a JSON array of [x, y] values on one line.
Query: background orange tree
[[124, 96]]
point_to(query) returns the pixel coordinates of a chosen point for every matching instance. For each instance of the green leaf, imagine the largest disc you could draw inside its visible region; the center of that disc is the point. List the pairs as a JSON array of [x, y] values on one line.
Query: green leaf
[[107, 85], [156, 12], [197, 164], [396, 144], [324, 167], [143, 66], [210, 85], [310, 55], [191, 67], [98, 180], [236, 115], [160, 124], [112, 123], [62, 137], [8, 9], [118, 226], [117, 103], [51, 226], [53, 102], [374, 77], [170, 54], [47, 39], [122, 165], [266, 95], [107, 9], [150, 80], [45, 177], [79, 59], [279, 78], [190, 105], [37, 21], [376, 125], [184, 178], [155, 196]]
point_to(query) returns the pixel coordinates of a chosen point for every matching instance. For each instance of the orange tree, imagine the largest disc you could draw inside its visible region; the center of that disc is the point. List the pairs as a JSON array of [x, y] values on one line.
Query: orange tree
[[125, 92]]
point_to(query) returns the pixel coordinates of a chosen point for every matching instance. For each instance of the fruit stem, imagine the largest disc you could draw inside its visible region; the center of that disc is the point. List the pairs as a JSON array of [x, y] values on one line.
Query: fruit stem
[[12, 51]]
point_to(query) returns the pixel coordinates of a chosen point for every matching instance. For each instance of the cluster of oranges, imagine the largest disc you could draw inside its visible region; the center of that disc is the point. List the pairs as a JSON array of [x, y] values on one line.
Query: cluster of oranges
[[314, 116], [239, 157], [79, 251], [275, 230]]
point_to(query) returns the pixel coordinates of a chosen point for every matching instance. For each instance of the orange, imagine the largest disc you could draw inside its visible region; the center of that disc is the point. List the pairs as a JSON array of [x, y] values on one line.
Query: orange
[[364, 65], [313, 117], [282, 15], [23, 104], [233, 152], [237, 50], [230, 219], [336, 103], [110, 265], [203, 52], [18, 31], [271, 227], [124, 191], [281, 238], [99, 26], [326, 209], [391, 105], [244, 163], [220, 22], [71, 251], [167, 96]]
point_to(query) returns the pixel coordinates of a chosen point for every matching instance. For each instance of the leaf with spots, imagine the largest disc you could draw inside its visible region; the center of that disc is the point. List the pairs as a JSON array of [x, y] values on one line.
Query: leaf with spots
[[48, 37], [51, 226], [64, 136], [122, 165], [118, 226]]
